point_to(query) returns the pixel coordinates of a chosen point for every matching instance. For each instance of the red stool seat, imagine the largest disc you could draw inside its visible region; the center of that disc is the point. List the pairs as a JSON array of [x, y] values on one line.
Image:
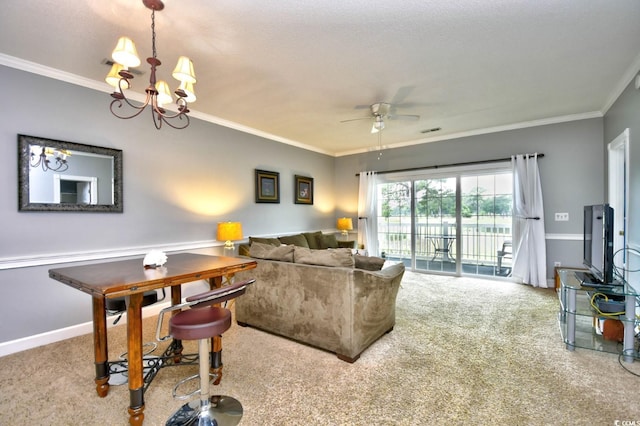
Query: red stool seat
[[202, 323]]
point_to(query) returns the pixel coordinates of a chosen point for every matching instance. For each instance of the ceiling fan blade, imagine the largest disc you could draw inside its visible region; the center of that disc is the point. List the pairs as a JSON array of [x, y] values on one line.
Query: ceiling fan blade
[[404, 117], [355, 119], [401, 94]]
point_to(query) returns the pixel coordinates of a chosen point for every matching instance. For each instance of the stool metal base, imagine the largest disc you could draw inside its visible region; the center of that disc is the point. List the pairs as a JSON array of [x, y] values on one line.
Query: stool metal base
[[223, 411]]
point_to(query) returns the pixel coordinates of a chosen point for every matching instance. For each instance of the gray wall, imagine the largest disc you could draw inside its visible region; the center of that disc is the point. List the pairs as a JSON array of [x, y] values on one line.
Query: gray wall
[[177, 186], [571, 172], [625, 113]]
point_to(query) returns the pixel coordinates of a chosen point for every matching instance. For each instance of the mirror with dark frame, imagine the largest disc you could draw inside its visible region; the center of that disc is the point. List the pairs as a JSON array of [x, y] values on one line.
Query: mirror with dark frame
[[67, 176]]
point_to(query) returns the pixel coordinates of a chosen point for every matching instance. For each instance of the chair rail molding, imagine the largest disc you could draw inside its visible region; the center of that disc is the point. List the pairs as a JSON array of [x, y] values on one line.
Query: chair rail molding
[[57, 258]]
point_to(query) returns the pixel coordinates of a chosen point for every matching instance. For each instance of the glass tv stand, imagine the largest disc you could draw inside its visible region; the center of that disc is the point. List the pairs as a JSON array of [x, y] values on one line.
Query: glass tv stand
[[579, 321]]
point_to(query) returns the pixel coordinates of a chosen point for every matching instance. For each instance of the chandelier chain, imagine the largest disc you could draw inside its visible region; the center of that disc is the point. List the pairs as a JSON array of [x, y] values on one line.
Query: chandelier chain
[[153, 33]]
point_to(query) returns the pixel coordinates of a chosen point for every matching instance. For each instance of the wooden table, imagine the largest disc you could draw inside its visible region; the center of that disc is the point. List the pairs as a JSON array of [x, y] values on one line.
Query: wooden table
[[129, 278]]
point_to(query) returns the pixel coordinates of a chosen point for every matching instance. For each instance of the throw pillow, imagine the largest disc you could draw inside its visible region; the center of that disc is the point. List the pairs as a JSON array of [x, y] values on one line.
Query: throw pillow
[[271, 241], [369, 263], [326, 241], [327, 257], [269, 252], [297, 240], [313, 239]]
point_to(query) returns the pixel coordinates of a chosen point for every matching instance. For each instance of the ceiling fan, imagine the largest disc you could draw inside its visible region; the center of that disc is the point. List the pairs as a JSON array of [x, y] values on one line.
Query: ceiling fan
[[381, 111]]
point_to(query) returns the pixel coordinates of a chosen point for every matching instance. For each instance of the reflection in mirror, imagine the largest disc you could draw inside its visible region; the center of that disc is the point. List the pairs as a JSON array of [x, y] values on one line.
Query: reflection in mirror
[[66, 176]]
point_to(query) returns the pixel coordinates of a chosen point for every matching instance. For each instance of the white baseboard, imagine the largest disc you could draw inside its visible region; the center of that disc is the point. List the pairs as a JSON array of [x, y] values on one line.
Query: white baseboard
[[30, 342]]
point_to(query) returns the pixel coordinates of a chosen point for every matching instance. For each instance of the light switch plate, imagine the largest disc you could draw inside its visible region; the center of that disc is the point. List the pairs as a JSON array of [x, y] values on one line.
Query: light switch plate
[[562, 217]]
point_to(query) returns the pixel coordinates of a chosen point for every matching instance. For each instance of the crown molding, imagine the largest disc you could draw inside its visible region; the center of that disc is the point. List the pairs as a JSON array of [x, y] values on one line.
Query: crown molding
[[496, 129], [56, 74]]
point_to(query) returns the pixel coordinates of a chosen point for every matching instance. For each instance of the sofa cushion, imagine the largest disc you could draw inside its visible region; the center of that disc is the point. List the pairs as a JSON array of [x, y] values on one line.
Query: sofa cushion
[[282, 253], [369, 263], [272, 241], [327, 257], [243, 249], [326, 241], [297, 240], [313, 239]]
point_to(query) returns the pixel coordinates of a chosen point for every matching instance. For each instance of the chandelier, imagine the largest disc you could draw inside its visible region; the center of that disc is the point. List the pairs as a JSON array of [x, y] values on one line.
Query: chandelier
[[46, 156], [125, 56]]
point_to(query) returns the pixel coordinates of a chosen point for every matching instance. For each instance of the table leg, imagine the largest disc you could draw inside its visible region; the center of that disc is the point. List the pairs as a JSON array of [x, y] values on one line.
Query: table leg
[[215, 358], [176, 344], [134, 346], [100, 349]]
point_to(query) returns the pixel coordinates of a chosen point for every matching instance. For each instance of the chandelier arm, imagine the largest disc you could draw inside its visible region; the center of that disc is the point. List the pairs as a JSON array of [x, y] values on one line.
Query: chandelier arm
[[118, 102], [62, 166], [182, 110], [40, 157], [157, 118], [180, 117]]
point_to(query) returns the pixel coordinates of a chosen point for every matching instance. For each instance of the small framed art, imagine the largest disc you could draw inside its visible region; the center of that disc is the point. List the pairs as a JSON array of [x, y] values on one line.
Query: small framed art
[[303, 190], [267, 186]]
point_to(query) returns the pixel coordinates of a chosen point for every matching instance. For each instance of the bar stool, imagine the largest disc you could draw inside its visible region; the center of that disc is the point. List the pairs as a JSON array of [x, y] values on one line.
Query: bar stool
[[202, 322]]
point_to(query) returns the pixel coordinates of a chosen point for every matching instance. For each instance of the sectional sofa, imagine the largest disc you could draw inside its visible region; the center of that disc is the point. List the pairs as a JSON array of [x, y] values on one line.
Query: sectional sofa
[[328, 298]]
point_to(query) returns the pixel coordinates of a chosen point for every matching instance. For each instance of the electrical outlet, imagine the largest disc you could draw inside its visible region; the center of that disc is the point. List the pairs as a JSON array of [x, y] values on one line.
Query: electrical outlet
[[556, 264], [562, 217]]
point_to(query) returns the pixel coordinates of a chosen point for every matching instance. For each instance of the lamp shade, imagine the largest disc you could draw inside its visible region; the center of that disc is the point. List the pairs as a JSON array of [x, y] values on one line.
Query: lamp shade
[[345, 224], [125, 53], [188, 89], [229, 231], [184, 70], [113, 78], [164, 95]]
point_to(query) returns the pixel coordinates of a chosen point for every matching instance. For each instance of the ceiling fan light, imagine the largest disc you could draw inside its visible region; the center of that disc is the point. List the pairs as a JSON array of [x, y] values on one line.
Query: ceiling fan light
[[184, 70], [378, 125], [188, 89], [125, 53], [164, 95]]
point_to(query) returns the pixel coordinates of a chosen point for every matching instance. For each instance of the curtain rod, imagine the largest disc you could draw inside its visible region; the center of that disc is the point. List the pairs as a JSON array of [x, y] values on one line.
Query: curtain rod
[[468, 163]]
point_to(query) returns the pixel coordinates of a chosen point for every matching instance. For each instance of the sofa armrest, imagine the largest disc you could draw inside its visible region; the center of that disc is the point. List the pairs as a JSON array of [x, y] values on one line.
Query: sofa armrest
[[390, 271]]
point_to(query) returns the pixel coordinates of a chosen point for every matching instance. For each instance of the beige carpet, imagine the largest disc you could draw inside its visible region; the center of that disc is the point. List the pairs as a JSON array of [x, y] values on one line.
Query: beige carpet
[[464, 351]]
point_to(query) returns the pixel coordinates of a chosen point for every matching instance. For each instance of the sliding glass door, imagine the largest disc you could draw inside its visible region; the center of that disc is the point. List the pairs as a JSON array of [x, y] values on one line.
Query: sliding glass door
[[486, 210], [453, 223], [435, 224]]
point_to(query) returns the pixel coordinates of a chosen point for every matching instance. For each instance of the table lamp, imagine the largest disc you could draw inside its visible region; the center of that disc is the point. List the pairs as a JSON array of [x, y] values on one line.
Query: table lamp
[[229, 232], [345, 225]]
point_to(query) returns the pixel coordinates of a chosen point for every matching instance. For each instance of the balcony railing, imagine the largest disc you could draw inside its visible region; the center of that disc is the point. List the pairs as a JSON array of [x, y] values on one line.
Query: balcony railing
[[480, 241]]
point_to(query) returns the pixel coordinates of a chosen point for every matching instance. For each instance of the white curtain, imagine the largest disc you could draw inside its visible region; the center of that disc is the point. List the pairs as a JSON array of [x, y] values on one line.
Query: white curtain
[[529, 256], [367, 220]]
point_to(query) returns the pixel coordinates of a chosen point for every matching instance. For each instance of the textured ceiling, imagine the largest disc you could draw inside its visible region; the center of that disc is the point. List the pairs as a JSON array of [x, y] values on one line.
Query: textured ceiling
[[292, 70]]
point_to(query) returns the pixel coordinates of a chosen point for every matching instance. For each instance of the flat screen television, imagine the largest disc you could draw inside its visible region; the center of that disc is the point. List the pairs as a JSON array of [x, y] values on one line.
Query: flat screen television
[[598, 242]]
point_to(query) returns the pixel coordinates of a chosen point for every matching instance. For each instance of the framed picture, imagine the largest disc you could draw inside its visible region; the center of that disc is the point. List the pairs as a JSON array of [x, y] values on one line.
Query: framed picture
[[267, 187], [303, 190]]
